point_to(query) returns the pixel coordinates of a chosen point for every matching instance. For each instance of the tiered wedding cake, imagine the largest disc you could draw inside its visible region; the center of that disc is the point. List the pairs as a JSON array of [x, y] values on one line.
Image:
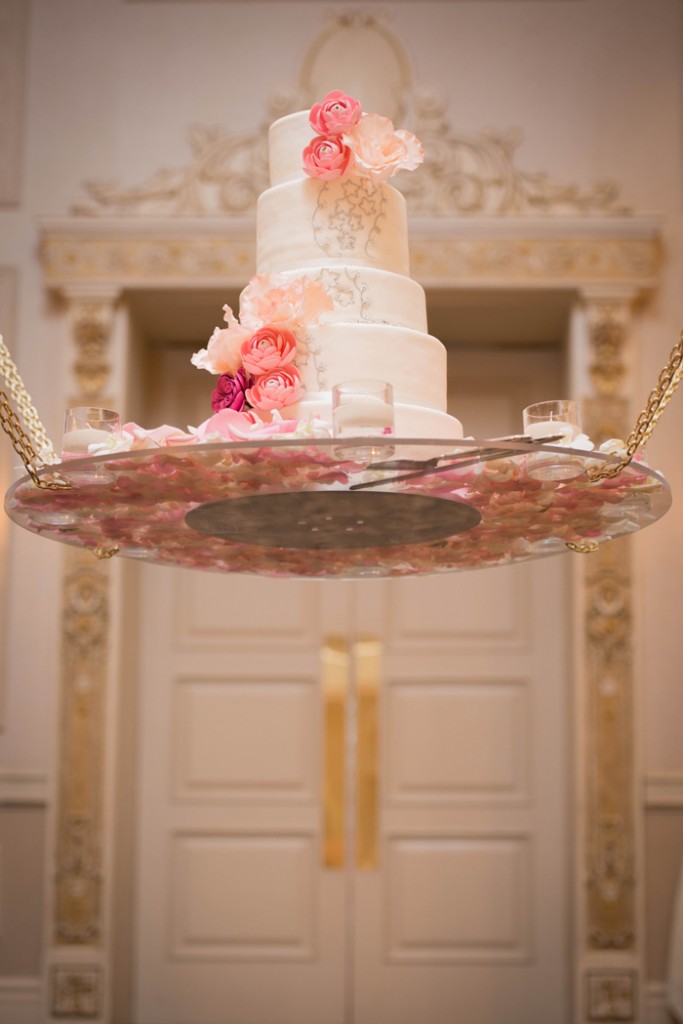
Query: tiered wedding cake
[[332, 300]]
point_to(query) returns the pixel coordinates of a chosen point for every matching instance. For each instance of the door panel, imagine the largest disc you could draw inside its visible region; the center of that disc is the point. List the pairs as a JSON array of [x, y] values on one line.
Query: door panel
[[454, 787]]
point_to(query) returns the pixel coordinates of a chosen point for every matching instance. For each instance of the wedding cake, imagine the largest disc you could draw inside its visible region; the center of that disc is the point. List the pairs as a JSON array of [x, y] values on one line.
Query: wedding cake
[[332, 300]]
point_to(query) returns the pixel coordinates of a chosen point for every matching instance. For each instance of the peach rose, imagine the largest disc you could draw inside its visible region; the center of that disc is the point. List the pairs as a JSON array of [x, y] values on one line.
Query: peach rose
[[379, 151], [276, 390], [223, 353], [327, 158], [335, 114], [268, 349], [276, 299]]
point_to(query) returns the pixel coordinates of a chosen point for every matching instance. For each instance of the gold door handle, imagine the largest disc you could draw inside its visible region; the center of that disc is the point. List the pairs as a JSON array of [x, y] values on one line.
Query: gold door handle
[[367, 665], [335, 673], [336, 665]]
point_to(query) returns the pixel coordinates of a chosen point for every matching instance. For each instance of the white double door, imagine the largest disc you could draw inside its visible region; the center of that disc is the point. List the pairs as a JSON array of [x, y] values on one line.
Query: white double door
[[459, 915]]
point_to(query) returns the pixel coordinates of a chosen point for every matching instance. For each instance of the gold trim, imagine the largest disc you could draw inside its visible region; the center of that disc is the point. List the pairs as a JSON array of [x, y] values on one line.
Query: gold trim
[[611, 922], [78, 877], [367, 666], [335, 673], [91, 328], [72, 257]]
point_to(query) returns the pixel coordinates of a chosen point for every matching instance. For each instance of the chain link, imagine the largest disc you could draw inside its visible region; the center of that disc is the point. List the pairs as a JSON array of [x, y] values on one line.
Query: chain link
[[24, 428], [658, 399]]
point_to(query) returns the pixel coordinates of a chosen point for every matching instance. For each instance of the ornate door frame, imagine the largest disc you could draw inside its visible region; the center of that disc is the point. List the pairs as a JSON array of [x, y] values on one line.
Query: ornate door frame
[[477, 226]]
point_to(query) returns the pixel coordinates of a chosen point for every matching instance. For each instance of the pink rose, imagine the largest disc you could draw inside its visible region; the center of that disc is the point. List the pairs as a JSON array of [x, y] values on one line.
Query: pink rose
[[379, 151], [276, 390], [223, 354], [268, 349], [335, 114], [276, 299], [327, 158]]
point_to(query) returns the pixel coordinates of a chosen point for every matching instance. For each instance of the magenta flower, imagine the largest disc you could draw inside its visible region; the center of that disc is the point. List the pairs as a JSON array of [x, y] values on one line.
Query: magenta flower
[[230, 391]]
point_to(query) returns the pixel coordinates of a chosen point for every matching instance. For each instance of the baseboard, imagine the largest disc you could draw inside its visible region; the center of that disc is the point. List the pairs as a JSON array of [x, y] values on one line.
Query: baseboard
[[21, 1000]]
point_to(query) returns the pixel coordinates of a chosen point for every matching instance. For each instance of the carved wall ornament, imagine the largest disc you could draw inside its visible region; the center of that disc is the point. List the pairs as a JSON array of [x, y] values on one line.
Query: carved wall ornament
[[91, 327], [609, 665], [462, 174], [607, 323], [611, 917], [78, 877]]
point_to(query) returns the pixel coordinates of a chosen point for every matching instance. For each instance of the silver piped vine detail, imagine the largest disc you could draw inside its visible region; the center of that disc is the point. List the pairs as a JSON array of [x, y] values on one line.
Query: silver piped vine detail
[[347, 218]]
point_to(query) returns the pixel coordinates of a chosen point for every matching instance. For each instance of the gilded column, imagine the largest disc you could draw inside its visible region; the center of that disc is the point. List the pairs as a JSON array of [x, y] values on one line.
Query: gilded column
[[611, 949], [76, 986]]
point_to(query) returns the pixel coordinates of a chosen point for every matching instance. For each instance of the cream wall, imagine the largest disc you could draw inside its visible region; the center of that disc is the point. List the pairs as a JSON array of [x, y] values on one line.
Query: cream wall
[[108, 90]]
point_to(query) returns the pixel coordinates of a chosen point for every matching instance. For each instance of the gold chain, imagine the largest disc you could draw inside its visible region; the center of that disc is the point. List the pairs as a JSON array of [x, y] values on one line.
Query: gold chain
[[24, 429], [659, 398]]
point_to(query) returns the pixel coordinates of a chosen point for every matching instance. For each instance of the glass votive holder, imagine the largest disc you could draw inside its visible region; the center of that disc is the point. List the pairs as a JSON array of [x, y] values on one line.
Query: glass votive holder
[[85, 426], [361, 410], [558, 419]]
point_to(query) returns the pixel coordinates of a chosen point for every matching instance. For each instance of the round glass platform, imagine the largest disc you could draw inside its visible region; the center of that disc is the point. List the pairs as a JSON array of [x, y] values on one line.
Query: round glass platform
[[302, 508]]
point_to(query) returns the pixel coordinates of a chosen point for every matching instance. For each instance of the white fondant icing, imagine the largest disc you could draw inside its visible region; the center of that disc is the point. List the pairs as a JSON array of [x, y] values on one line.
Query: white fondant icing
[[415, 362], [328, 223], [352, 234], [365, 295], [287, 139]]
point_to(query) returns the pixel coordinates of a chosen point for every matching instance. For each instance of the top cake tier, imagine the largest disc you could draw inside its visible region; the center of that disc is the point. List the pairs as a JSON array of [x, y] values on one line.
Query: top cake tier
[[287, 139], [304, 222]]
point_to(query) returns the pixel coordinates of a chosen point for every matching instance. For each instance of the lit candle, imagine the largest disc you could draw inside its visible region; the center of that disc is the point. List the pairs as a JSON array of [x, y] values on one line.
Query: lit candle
[[76, 443], [551, 428], [364, 414]]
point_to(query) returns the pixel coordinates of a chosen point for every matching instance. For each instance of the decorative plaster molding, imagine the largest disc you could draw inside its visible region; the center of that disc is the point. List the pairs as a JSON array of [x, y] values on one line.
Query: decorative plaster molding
[[461, 253], [610, 893], [78, 872], [461, 175], [76, 991], [91, 320], [611, 995]]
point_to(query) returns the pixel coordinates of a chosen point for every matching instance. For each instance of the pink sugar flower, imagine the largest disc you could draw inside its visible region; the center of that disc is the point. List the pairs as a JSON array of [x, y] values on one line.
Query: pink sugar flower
[[229, 392], [335, 114], [159, 437], [235, 426], [222, 354], [282, 301], [268, 349], [276, 390], [379, 151], [327, 157]]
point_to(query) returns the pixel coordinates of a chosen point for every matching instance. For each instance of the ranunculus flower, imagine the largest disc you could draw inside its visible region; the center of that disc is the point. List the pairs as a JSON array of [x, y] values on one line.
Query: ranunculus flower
[[335, 114], [222, 355], [291, 303], [379, 151], [268, 349], [276, 390], [229, 392], [327, 157]]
